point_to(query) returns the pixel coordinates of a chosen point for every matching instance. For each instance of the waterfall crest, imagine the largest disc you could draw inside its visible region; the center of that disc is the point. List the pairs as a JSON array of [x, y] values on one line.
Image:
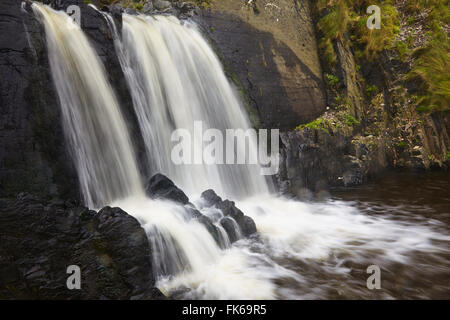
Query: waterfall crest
[[93, 124]]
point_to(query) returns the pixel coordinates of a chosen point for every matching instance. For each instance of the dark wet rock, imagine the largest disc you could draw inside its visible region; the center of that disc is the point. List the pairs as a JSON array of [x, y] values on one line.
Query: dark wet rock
[[161, 187], [210, 198], [229, 209], [312, 161], [33, 156], [230, 227], [40, 239], [116, 11], [248, 226]]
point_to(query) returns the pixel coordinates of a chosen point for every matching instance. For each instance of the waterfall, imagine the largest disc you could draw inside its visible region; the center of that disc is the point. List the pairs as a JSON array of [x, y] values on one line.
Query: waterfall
[[102, 151], [93, 124], [175, 79], [304, 250]]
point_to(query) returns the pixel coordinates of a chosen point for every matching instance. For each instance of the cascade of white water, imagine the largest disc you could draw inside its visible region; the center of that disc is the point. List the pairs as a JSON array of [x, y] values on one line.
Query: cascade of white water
[[176, 79], [93, 124], [98, 138]]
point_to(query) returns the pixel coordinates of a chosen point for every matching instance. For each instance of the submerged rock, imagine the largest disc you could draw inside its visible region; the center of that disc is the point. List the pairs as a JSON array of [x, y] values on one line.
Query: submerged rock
[[161, 187], [39, 239]]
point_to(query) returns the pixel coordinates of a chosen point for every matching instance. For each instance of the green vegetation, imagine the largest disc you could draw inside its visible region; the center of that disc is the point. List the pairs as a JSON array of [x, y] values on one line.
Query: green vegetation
[[332, 80], [369, 43], [133, 4], [318, 124], [447, 156], [346, 21], [432, 62], [432, 69], [348, 17], [401, 144], [350, 120], [342, 101], [371, 90], [202, 3], [438, 11], [402, 50]]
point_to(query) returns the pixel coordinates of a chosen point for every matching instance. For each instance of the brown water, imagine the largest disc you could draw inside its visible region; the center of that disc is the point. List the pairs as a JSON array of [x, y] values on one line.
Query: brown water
[[322, 249], [420, 199]]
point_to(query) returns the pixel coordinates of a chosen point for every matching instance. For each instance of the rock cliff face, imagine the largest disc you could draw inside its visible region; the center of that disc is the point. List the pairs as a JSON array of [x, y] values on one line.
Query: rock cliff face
[[371, 123], [269, 47], [32, 153]]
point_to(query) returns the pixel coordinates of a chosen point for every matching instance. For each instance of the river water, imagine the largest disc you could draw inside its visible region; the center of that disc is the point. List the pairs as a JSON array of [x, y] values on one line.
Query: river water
[[322, 249]]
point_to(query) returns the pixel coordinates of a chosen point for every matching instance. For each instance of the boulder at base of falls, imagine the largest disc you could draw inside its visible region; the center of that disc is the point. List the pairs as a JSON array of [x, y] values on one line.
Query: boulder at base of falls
[[40, 239], [161, 187], [229, 209]]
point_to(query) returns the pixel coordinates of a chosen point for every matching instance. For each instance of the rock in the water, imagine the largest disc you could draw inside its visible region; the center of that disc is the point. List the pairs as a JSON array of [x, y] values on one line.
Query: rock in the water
[[161, 187], [248, 226], [229, 209], [210, 198], [40, 239], [230, 227]]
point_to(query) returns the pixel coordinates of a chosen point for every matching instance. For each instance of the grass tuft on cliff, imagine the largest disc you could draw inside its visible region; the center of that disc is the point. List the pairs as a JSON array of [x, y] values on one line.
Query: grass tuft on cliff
[[431, 67], [346, 20]]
